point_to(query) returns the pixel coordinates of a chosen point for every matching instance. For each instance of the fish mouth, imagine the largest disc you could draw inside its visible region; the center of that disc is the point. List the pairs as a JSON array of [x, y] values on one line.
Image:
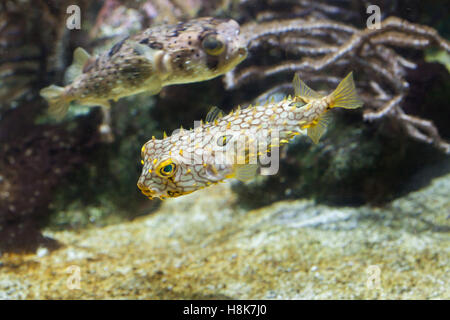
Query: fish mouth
[[146, 191], [151, 194]]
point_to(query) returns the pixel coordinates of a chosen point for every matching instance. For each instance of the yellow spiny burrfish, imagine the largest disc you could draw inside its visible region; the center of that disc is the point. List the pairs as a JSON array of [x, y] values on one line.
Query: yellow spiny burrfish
[[229, 146], [192, 51]]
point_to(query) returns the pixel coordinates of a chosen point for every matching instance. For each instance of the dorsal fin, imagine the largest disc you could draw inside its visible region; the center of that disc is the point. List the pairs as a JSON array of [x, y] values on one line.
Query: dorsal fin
[[213, 114], [302, 90], [80, 57]]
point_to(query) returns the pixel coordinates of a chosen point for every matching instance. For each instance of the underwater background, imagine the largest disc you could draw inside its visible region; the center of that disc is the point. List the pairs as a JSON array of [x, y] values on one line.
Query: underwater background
[[364, 214]]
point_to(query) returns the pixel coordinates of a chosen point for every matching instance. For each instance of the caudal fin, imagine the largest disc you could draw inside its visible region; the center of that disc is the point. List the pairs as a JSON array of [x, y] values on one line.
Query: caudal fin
[[58, 103], [345, 95]]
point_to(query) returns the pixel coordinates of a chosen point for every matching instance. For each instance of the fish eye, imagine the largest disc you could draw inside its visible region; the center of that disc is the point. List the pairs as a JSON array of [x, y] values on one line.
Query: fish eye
[[166, 169], [212, 45]]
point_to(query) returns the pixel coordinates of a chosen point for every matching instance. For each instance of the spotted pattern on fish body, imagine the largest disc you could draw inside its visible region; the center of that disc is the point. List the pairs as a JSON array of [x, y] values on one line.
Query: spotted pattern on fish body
[[191, 51], [228, 146]]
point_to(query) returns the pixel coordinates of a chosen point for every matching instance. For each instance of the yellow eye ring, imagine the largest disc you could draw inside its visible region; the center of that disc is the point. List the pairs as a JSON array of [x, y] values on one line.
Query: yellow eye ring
[[166, 169], [212, 45]]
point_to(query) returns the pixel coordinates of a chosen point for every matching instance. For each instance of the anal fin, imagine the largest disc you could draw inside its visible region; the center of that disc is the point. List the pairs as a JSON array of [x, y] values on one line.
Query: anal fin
[[315, 132], [245, 172]]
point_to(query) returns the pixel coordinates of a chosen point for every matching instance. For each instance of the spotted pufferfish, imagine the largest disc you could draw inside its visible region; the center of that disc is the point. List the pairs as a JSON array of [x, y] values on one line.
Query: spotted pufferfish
[[226, 146], [192, 51]]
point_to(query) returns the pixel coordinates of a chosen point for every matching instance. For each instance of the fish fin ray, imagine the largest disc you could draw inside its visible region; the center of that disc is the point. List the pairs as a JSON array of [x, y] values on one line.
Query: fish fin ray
[[245, 172], [213, 114], [58, 103], [302, 90], [345, 95], [80, 57], [317, 131]]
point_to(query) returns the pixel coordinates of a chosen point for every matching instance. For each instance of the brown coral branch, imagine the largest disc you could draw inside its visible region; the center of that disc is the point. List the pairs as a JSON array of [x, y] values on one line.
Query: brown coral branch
[[424, 130], [387, 107], [256, 31], [327, 48]]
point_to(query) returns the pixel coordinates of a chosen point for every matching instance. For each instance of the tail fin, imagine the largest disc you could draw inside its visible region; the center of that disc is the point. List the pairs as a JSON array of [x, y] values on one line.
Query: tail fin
[[345, 95], [58, 103]]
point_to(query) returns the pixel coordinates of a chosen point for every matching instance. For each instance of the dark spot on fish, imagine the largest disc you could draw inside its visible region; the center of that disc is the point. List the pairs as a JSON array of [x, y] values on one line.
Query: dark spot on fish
[[156, 45], [180, 27], [116, 47], [212, 62], [144, 41]]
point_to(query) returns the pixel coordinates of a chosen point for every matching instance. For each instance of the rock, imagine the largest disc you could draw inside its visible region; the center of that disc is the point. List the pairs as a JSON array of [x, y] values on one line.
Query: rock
[[205, 245]]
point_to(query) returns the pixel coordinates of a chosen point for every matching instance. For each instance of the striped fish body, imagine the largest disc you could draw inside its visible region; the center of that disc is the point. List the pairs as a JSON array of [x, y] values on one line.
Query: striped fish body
[[229, 146]]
